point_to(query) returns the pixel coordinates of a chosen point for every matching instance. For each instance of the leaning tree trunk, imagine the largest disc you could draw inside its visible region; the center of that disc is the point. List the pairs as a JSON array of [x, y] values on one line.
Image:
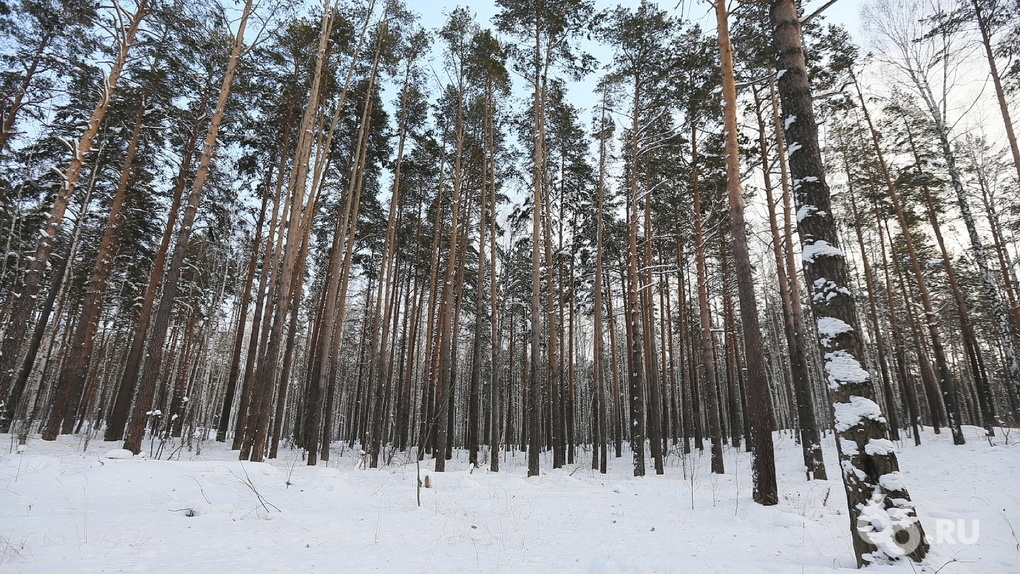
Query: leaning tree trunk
[[999, 312], [136, 425], [71, 382], [880, 343], [789, 293], [913, 405], [18, 99], [970, 342], [880, 509], [14, 407], [20, 321], [763, 465], [242, 319], [1000, 93], [129, 375], [947, 385]]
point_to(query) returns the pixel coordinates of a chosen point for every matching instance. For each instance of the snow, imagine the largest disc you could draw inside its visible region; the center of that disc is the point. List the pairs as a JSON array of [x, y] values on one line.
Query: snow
[[842, 367], [809, 179], [64, 510], [823, 290], [119, 454], [852, 413], [879, 446], [831, 327], [892, 481], [848, 447], [819, 248], [805, 211]]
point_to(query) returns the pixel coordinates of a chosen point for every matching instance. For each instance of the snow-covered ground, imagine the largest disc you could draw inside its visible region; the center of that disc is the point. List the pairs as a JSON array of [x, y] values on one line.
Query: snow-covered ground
[[64, 510]]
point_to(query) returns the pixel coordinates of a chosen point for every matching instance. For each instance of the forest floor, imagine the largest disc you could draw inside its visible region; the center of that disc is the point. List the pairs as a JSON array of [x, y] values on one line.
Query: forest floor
[[65, 510]]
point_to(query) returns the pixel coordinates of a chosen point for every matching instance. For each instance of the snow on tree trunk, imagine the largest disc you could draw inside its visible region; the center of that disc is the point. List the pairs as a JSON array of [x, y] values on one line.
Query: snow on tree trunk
[[20, 321], [883, 524]]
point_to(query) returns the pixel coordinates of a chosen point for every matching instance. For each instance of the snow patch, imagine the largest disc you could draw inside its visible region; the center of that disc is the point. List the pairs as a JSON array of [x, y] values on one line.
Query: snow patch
[[879, 446], [809, 179], [849, 469], [819, 248], [823, 290], [831, 327], [893, 481], [119, 453], [843, 368], [852, 413], [805, 212], [848, 447]]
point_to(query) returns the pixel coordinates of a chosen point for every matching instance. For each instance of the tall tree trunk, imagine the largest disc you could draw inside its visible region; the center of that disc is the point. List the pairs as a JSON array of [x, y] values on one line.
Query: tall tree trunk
[[242, 320], [876, 329], [810, 444], [474, 384], [449, 303], [763, 469], [132, 364], [876, 495], [895, 326], [1000, 93], [494, 318], [970, 342], [708, 379], [999, 311], [534, 379], [652, 372], [70, 383], [13, 406], [150, 372], [385, 295], [600, 451], [260, 316], [635, 326], [28, 291], [946, 383]]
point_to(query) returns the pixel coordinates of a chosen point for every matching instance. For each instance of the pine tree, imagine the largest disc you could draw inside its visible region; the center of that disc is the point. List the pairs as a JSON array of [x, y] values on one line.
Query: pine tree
[[876, 495]]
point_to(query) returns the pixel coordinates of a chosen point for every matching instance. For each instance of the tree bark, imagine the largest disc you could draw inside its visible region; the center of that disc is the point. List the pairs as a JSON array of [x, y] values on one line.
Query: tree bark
[[150, 373], [874, 486], [20, 321], [763, 465]]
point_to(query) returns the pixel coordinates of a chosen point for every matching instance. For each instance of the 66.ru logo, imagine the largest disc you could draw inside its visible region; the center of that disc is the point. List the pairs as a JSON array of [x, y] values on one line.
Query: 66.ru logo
[[901, 537]]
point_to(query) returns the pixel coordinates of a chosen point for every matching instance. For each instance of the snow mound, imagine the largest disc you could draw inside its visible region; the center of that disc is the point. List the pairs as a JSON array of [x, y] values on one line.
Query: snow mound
[[119, 454]]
